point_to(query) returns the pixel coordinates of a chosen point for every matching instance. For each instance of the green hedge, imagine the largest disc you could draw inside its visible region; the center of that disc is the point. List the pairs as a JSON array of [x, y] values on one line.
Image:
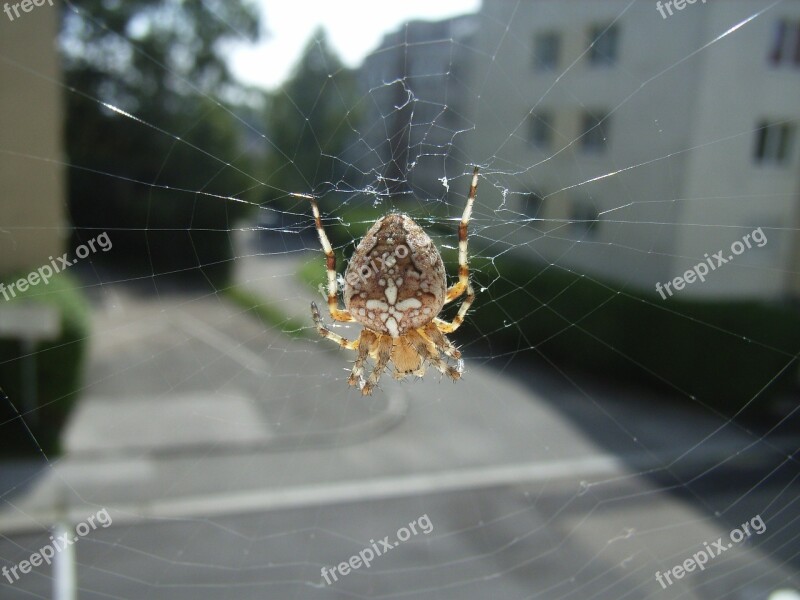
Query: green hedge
[[722, 353], [59, 367]]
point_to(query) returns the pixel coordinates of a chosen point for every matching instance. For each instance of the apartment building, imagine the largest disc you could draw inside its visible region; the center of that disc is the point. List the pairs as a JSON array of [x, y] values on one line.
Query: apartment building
[[414, 97], [632, 144]]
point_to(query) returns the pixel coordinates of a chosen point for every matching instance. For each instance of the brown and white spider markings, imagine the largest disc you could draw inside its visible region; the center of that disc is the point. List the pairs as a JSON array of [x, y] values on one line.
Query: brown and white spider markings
[[395, 286]]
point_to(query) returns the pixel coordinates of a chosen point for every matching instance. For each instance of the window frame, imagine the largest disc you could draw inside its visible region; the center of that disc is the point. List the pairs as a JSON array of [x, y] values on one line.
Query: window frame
[[538, 123], [549, 59], [603, 47], [585, 218], [774, 143], [595, 137], [785, 48]]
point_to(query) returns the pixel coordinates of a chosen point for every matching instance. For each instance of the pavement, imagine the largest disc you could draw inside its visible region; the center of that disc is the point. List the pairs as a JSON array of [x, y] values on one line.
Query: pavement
[[200, 420]]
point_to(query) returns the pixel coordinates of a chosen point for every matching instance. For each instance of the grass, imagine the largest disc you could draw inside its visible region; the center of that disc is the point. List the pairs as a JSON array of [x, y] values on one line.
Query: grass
[[268, 314], [312, 273]]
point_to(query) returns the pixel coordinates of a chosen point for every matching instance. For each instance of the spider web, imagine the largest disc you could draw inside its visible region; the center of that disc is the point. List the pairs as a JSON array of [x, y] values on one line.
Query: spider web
[[235, 460]]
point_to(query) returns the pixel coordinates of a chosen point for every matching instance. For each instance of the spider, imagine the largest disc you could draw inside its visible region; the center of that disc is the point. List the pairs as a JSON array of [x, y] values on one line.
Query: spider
[[395, 286]]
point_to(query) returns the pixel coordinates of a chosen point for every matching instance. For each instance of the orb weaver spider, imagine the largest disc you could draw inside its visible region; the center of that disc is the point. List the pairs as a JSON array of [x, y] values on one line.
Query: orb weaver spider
[[395, 286]]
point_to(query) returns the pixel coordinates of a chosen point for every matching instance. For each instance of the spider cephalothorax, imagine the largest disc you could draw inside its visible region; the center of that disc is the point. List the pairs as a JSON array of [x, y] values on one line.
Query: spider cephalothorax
[[396, 285]]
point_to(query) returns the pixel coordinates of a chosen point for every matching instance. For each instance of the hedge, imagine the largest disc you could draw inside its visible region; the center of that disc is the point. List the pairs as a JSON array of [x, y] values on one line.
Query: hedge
[[724, 354], [59, 366]]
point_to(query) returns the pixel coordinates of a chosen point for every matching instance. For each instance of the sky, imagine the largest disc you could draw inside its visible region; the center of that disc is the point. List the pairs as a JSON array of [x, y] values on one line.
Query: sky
[[354, 29]]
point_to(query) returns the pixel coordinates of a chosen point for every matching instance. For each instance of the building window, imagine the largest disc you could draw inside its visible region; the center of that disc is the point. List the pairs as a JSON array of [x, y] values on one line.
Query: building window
[[773, 142], [540, 130], [546, 51], [593, 129], [585, 219], [531, 205], [603, 45], [786, 43]]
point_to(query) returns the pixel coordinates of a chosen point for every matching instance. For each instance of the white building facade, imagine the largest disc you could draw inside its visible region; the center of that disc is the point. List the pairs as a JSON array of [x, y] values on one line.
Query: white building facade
[[633, 144]]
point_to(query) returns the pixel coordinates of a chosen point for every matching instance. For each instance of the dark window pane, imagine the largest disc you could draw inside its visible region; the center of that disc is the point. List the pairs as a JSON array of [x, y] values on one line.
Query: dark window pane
[[546, 50], [784, 142], [594, 137], [796, 31], [604, 40], [778, 42], [540, 130], [761, 141]]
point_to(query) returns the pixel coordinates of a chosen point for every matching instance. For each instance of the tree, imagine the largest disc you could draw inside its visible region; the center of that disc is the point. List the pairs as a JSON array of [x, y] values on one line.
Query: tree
[[165, 201], [310, 124]]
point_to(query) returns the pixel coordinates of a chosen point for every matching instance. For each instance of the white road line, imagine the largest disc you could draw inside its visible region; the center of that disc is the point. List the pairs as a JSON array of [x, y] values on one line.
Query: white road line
[[216, 505], [590, 468], [387, 487], [223, 343]]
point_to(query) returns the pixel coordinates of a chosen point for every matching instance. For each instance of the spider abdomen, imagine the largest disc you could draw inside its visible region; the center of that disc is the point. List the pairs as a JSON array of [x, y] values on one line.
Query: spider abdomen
[[395, 280]]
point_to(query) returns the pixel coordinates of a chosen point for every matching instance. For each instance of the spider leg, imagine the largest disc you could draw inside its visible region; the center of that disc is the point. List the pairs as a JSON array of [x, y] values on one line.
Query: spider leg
[[428, 351], [330, 261], [327, 333], [440, 341], [463, 261], [366, 341], [383, 351], [446, 327]]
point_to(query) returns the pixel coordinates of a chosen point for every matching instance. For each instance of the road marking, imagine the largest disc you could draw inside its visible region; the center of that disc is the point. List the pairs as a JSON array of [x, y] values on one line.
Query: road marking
[[386, 487], [573, 470], [217, 505], [223, 343]]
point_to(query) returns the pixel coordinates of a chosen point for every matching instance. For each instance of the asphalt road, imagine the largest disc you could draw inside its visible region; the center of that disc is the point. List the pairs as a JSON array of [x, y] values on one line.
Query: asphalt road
[[536, 540], [236, 463]]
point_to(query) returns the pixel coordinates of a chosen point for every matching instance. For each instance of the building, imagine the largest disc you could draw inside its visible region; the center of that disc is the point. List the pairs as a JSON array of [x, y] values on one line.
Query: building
[[414, 98], [32, 177], [633, 143]]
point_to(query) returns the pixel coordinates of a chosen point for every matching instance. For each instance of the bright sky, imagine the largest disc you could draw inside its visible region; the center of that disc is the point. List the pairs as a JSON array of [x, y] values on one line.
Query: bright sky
[[354, 29]]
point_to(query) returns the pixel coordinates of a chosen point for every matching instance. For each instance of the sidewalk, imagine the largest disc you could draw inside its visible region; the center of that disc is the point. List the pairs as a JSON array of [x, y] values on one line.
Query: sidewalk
[[270, 270], [208, 377]]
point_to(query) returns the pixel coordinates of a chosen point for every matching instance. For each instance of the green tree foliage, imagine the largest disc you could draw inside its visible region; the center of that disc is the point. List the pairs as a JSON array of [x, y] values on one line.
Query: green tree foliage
[[310, 124], [166, 202]]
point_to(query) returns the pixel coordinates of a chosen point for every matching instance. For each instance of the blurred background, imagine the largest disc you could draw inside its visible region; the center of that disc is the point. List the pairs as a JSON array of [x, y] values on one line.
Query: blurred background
[[158, 360]]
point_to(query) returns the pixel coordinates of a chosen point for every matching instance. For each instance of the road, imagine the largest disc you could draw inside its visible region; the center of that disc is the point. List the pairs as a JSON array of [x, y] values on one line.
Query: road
[[236, 463]]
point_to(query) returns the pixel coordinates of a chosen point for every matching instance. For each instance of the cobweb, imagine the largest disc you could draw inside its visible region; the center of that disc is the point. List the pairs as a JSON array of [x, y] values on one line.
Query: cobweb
[[235, 460]]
